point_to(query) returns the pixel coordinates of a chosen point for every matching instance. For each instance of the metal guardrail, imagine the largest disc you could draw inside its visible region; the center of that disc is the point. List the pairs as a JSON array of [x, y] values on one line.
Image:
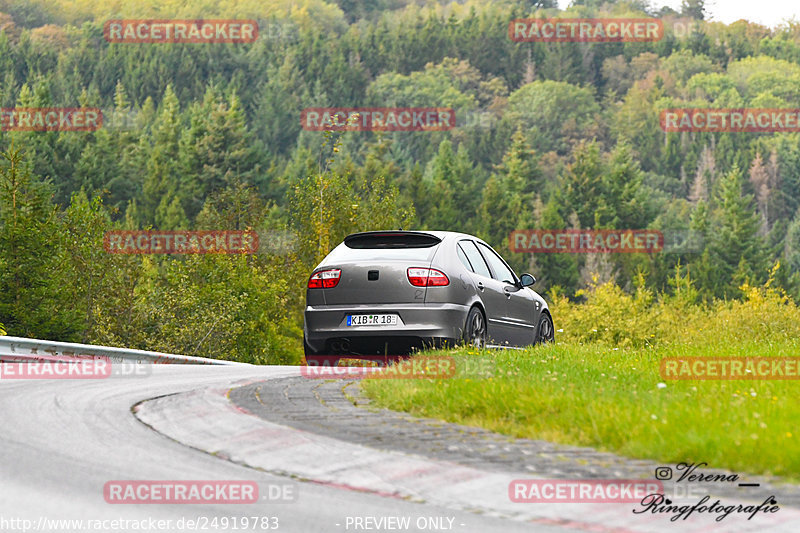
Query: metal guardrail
[[22, 349]]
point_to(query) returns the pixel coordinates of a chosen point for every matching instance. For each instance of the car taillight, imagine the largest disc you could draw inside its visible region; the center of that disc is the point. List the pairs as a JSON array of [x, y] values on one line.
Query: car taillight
[[427, 277], [325, 279]]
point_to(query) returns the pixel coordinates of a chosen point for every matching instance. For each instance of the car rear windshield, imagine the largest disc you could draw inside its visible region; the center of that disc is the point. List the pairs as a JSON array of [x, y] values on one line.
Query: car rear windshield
[[391, 240], [389, 246]]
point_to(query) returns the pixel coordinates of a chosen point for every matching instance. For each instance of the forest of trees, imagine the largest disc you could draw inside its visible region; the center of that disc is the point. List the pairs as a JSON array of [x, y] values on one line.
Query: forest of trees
[[208, 136]]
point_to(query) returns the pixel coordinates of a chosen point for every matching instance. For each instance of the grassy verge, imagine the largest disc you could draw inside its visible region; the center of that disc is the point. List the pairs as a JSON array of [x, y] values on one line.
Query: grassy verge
[[607, 394]]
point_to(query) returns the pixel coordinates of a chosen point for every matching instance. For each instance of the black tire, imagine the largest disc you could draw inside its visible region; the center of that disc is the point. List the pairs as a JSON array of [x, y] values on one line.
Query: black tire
[[545, 331], [475, 329]]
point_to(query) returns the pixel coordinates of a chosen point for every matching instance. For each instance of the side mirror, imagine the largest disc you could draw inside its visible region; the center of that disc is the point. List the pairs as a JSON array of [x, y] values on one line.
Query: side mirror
[[526, 280]]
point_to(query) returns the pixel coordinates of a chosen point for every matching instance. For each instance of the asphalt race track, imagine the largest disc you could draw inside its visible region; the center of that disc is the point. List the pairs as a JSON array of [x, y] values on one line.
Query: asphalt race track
[[63, 441]]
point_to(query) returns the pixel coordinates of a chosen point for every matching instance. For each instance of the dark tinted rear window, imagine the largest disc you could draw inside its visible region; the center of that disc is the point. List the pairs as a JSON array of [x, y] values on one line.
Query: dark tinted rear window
[[391, 240]]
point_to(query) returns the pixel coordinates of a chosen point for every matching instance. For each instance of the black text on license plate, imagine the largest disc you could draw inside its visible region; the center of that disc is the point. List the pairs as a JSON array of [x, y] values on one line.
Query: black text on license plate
[[371, 320]]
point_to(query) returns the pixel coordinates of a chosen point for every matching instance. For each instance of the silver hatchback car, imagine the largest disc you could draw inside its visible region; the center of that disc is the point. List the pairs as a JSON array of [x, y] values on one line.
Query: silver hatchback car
[[388, 292]]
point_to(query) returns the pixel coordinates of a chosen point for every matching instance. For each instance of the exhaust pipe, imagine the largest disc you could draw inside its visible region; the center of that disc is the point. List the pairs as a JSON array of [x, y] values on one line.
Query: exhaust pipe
[[336, 347], [345, 345]]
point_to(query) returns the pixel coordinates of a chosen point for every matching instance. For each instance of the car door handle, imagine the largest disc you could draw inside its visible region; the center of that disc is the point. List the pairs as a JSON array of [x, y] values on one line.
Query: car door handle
[[480, 286]]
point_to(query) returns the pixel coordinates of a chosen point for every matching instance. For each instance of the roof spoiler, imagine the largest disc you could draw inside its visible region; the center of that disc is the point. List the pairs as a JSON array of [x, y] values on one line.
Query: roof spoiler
[[391, 239]]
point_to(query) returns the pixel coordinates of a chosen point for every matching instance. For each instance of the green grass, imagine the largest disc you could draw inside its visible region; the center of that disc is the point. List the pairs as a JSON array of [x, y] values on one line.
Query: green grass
[[607, 396], [598, 385]]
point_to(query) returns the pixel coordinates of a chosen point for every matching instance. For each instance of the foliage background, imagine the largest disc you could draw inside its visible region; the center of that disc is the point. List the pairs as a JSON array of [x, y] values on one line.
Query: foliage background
[[550, 135]]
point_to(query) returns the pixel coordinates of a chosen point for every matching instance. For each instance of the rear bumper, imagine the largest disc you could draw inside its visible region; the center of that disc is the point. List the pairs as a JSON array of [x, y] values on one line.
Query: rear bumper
[[326, 331]]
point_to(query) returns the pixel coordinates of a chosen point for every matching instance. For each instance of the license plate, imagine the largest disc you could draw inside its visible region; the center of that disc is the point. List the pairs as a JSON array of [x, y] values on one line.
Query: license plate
[[371, 320]]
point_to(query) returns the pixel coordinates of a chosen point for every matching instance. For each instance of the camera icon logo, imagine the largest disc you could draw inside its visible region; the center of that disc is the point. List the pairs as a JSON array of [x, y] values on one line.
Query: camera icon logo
[[663, 473]]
